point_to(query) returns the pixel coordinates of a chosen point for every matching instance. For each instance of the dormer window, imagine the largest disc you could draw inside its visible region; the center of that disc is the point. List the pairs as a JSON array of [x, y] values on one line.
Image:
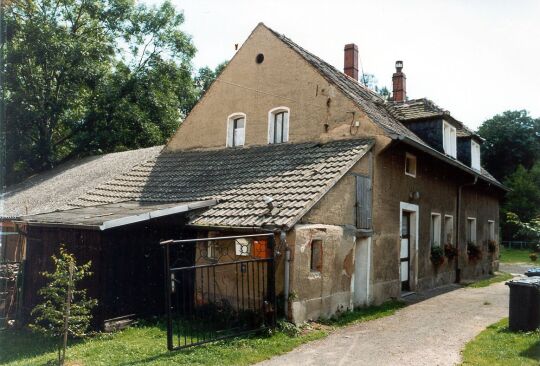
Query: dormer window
[[236, 129], [475, 155], [449, 139], [278, 125]]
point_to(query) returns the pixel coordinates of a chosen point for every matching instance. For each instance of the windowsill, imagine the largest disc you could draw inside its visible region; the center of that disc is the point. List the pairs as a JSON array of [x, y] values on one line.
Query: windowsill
[[410, 175], [313, 275]]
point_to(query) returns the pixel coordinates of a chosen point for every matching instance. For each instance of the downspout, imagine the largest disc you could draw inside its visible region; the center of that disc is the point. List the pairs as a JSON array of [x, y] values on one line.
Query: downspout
[[458, 219], [283, 242]]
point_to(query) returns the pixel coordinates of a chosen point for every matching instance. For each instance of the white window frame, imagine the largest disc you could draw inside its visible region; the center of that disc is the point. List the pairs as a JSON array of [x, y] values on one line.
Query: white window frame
[[449, 139], [413, 158], [230, 129], [448, 229], [286, 124], [435, 231], [491, 230], [471, 235], [475, 155]]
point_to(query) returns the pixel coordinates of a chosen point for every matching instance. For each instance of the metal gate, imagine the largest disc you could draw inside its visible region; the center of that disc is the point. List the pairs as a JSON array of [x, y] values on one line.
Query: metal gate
[[10, 288], [225, 289]]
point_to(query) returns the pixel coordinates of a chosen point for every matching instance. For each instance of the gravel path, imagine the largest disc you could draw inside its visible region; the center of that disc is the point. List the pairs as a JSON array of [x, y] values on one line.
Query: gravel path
[[429, 332]]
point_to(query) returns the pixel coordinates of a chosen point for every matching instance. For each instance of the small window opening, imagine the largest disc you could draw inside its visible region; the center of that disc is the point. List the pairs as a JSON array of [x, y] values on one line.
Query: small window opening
[[435, 230], [260, 58], [448, 229], [471, 230], [491, 230], [316, 256], [410, 165], [243, 247]]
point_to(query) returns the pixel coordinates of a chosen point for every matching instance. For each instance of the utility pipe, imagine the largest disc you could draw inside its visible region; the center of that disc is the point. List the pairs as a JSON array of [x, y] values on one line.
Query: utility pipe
[[458, 219], [283, 242]]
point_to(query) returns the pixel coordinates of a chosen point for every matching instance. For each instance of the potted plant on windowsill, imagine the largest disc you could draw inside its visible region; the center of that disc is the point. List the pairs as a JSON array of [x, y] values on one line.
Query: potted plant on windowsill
[[473, 251], [492, 246], [437, 256], [450, 251]]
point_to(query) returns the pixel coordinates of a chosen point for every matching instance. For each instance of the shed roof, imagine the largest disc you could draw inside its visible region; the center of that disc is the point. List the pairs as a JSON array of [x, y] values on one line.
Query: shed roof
[[271, 185], [54, 189], [113, 215]]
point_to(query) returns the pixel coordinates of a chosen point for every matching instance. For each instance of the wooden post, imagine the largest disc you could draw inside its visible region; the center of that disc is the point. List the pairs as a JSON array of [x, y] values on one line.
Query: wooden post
[[67, 310]]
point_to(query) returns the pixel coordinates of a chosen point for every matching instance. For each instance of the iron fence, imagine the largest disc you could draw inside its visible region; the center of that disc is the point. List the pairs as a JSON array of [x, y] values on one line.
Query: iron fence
[[228, 289]]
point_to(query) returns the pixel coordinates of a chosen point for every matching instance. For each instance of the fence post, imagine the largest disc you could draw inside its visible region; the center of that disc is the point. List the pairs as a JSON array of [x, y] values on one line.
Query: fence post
[[271, 279], [167, 277]]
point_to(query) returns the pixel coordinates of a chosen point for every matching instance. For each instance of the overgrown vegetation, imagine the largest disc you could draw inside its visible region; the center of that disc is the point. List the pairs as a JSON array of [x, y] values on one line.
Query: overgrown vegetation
[[145, 344], [498, 346]]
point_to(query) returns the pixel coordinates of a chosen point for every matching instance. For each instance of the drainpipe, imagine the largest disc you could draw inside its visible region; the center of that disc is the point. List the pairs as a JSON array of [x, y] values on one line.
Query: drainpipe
[[283, 242], [458, 219]]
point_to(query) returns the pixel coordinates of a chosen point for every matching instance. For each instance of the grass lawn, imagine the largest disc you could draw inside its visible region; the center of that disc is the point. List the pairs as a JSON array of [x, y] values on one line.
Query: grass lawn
[[146, 345], [499, 346], [516, 256], [499, 277]]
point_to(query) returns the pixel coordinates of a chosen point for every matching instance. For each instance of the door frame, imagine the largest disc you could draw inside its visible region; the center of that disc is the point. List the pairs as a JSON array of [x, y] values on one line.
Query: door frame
[[414, 220]]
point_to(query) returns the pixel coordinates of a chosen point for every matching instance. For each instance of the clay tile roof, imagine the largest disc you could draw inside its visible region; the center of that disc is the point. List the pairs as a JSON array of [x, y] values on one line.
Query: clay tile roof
[[383, 113], [424, 108], [293, 176], [54, 189]]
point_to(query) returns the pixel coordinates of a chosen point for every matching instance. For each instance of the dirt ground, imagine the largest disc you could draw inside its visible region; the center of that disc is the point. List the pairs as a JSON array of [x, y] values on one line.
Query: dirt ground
[[430, 331]]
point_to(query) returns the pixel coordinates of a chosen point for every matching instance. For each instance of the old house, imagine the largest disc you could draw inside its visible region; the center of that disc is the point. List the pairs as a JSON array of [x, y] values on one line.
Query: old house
[[357, 189]]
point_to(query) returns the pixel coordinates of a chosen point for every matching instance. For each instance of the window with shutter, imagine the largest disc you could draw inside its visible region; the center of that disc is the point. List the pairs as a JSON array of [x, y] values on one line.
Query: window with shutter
[[363, 202]]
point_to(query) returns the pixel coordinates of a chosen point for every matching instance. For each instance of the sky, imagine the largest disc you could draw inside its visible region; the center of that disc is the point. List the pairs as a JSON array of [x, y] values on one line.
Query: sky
[[475, 58]]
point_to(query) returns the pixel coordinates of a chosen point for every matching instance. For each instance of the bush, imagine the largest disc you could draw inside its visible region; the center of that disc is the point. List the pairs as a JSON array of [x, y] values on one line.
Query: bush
[[492, 246], [473, 251], [533, 257], [65, 310], [450, 251], [437, 256]]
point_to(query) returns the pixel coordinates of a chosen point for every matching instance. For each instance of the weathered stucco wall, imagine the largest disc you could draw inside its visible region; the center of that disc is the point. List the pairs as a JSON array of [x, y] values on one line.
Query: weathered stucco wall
[[436, 184], [318, 111], [322, 294]]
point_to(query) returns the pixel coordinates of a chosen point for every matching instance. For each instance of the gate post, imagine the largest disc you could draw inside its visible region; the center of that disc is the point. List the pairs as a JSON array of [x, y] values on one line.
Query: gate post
[[168, 291], [271, 279]]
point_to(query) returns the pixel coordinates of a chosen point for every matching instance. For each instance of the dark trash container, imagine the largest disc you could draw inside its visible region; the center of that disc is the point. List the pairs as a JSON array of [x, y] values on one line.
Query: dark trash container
[[532, 272], [524, 304]]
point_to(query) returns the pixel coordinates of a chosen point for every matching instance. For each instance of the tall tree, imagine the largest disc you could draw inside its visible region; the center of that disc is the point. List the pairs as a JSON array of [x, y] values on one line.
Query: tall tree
[[206, 76], [512, 139], [87, 76]]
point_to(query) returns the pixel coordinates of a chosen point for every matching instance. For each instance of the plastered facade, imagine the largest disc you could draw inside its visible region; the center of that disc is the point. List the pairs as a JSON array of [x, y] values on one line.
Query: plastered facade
[[357, 269]]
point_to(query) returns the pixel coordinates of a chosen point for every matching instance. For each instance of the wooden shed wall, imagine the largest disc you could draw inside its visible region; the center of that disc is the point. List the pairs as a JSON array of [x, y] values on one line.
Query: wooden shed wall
[[127, 264]]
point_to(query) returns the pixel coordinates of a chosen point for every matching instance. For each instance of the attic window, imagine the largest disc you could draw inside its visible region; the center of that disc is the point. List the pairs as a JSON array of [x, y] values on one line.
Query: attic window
[[278, 125], [236, 129], [475, 155], [410, 165], [260, 58], [449, 139]]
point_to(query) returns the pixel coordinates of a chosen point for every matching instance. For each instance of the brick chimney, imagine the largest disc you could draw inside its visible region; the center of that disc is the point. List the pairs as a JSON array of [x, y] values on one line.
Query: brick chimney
[[350, 67], [399, 92]]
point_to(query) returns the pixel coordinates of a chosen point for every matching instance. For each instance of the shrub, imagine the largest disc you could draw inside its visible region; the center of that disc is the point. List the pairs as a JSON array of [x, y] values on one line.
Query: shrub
[[533, 257], [492, 246], [437, 256], [65, 310], [473, 251], [450, 251]]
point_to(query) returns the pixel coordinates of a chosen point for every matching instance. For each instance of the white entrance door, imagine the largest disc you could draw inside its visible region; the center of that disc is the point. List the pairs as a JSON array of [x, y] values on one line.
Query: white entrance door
[[405, 250]]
